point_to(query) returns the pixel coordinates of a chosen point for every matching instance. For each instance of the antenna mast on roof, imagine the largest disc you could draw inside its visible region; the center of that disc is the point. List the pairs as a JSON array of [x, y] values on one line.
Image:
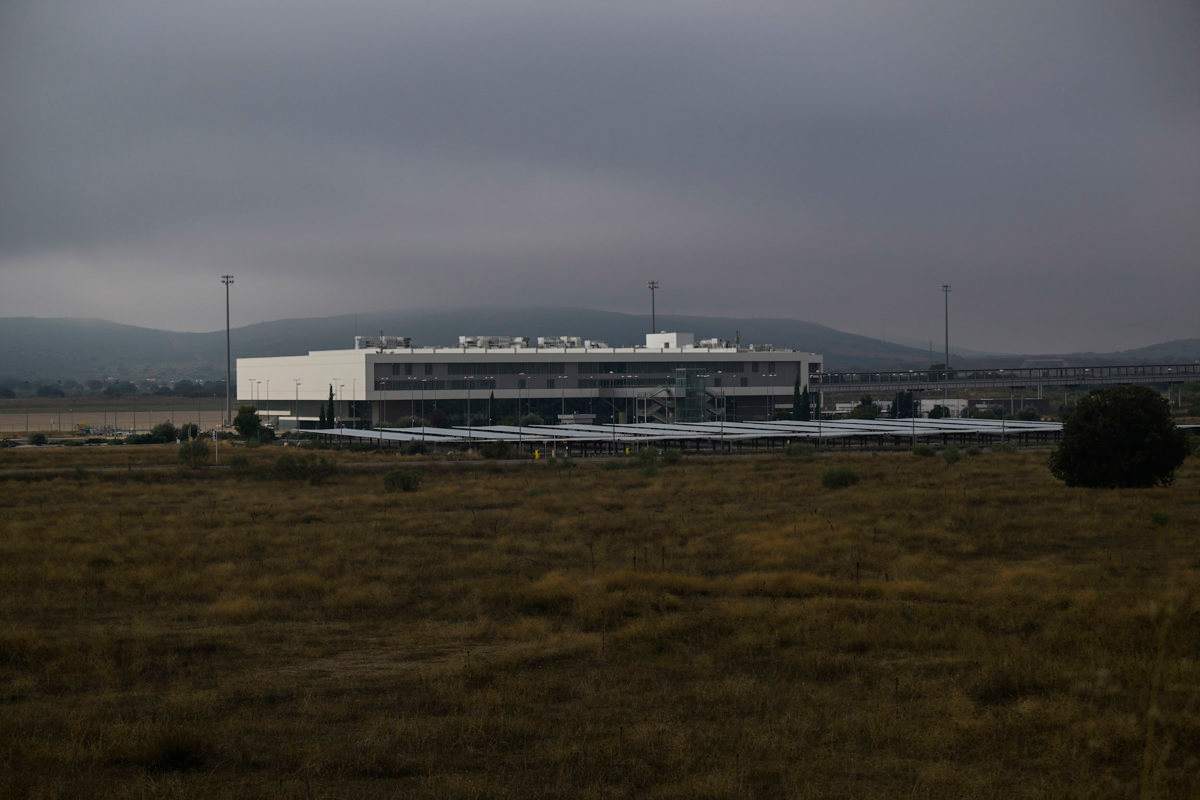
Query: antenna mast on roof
[[652, 285]]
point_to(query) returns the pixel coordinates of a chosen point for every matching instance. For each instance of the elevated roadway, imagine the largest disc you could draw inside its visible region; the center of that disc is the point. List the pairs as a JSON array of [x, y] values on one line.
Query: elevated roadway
[[1019, 378]]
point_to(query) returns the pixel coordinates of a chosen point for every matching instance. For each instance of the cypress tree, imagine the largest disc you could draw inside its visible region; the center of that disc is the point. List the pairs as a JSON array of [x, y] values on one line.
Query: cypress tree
[[805, 406], [331, 414], [800, 402]]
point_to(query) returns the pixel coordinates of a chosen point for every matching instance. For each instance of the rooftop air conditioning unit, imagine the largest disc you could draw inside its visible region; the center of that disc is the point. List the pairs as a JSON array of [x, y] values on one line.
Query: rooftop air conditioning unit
[[382, 342], [559, 341]]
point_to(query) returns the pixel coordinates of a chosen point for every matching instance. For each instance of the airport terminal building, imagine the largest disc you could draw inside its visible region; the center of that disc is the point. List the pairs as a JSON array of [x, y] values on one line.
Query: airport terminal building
[[386, 381]]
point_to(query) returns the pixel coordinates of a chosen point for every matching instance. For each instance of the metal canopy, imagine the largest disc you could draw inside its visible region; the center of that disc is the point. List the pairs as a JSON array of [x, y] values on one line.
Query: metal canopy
[[693, 431]]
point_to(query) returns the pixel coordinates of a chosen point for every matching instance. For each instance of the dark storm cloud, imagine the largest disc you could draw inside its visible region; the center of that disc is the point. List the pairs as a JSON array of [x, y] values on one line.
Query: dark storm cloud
[[834, 161]]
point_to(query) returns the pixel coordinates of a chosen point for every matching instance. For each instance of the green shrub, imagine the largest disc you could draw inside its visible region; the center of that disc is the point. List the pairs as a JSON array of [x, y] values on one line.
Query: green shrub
[[951, 455], [1120, 437], [38, 439], [924, 451], [800, 450], [974, 451], [402, 479], [142, 438], [247, 422], [671, 456], [320, 469], [648, 456], [193, 453], [839, 478], [238, 462], [289, 467], [1004, 447], [495, 450], [416, 449], [164, 432], [1159, 518], [314, 469]]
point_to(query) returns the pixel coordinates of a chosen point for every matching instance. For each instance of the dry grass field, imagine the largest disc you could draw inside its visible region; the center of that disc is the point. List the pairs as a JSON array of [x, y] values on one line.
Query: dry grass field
[[722, 628], [117, 457]]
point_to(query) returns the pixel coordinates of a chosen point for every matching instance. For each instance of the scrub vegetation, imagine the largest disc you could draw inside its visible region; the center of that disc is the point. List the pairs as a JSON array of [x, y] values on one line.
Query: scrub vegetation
[[713, 628]]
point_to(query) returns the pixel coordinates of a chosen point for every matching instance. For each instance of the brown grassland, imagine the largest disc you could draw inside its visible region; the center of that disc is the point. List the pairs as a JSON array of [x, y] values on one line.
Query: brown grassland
[[720, 628]]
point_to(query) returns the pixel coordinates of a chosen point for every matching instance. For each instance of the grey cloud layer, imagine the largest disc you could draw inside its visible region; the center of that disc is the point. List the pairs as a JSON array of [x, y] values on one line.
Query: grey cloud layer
[[833, 161]]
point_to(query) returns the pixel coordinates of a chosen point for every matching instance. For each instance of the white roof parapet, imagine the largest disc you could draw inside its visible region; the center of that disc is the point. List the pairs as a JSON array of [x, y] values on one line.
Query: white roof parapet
[[520, 345]]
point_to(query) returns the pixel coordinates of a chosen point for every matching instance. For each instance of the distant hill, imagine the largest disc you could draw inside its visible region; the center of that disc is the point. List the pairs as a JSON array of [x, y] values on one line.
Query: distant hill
[[1176, 351], [33, 348]]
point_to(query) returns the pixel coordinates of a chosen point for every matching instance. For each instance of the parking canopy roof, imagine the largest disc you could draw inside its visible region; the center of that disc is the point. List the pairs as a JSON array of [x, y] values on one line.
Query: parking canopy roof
[[690, 431]]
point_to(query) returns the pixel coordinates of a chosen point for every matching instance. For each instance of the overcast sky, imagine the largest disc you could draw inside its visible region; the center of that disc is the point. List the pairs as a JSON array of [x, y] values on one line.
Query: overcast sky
[[834, 161]]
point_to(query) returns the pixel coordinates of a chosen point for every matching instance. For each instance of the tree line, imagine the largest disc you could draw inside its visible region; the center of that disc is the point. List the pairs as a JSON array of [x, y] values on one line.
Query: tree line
[[95, 387]]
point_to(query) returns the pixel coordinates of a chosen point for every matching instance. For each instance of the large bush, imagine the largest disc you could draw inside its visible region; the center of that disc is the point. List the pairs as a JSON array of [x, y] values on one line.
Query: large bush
[[1119, 437], [247, 422], [495, 450], [164, 432]]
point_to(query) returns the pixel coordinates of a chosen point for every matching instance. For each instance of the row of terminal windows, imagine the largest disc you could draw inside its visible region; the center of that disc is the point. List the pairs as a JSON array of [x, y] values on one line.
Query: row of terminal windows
[[387, 383], [597, 368], [390, 383]]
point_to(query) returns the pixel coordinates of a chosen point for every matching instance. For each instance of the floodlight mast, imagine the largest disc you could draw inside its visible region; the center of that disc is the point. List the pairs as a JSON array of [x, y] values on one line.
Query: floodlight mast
[[227, 279], [946, 292], [946, 366]]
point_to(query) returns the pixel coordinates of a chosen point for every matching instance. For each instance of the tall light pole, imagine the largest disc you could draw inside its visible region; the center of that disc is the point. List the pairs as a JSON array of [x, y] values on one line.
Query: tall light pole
[[946, 293], [227, 279], [520, 427], [469, 380], [946, 365], [652, 285], [296, 408]]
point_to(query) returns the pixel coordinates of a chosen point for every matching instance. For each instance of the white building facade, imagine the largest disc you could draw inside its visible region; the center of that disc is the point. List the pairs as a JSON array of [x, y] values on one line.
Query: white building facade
[[491, 378]]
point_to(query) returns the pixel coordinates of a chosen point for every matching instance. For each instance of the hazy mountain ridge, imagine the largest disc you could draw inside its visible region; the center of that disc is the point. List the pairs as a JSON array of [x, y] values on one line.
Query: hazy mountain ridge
[[35, 348]]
